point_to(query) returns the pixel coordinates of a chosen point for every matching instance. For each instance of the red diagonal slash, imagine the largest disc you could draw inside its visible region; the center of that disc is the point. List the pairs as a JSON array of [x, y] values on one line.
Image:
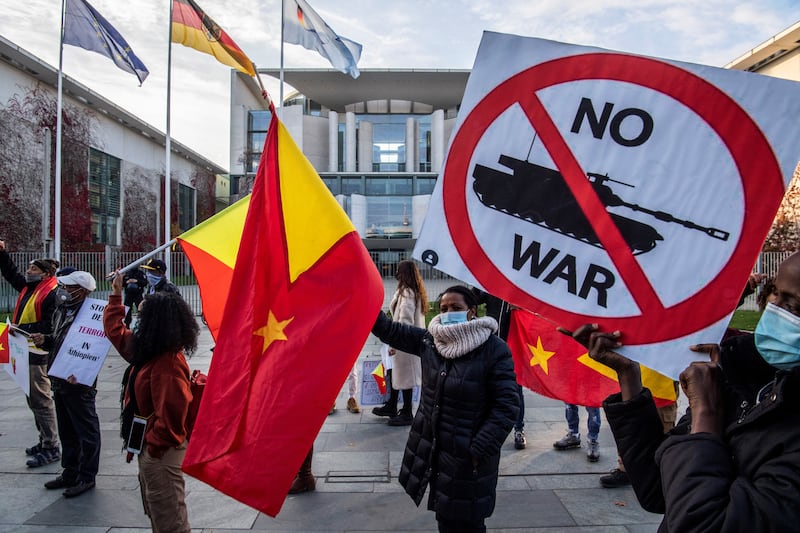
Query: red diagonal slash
[[615, 245]]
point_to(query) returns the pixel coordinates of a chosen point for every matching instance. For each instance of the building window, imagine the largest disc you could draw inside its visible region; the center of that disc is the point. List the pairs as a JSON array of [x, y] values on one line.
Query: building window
[[257, 126], [342, 147], [104, 196], [186, 207], [424, 150]]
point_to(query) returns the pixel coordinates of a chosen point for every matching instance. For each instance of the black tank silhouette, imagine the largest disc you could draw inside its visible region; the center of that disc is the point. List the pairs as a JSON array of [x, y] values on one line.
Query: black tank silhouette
[[540, 195]]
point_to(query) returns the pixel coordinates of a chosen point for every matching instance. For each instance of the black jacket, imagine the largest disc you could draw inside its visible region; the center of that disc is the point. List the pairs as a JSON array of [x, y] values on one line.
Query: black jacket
[[746, 480], [468, 406]]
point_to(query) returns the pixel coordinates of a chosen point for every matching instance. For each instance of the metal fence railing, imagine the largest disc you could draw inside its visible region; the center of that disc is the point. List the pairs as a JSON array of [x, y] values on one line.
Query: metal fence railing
[[99, 264]]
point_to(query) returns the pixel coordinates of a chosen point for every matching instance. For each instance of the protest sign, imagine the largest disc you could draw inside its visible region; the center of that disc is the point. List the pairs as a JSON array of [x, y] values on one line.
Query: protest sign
[[592, 186], [17, 366], [85, 346]]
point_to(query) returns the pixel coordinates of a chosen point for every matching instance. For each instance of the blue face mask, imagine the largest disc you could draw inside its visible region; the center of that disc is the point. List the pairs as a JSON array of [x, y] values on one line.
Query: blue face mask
[[778, 337], [153, 279], [453, 317]]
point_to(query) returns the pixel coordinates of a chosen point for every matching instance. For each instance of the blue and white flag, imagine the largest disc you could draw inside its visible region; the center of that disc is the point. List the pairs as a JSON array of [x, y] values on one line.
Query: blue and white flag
[[86, 28], [302, 25]]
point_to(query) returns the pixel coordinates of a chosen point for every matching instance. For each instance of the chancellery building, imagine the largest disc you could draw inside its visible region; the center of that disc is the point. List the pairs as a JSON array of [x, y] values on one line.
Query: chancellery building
[[378, 142]]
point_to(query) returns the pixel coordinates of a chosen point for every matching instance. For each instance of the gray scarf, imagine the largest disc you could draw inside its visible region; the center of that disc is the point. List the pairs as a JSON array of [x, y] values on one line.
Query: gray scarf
[[455, 340]]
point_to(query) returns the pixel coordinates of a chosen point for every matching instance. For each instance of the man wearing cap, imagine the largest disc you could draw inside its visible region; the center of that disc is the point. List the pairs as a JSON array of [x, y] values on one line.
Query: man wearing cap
[[77, 419], [156, 273], [33, 313]]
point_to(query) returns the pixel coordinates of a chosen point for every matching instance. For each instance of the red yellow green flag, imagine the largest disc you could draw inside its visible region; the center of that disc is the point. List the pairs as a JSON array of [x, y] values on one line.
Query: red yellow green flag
[[555, 365], [380, 378], [211, 247], [302, 299], [193, 28]]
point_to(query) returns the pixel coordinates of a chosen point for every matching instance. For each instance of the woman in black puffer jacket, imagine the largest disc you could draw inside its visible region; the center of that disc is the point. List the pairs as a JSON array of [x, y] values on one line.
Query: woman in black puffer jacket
[[468, 405]]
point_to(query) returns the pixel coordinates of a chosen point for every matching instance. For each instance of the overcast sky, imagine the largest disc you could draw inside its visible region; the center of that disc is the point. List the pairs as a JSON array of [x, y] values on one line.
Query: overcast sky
[[397, 34]]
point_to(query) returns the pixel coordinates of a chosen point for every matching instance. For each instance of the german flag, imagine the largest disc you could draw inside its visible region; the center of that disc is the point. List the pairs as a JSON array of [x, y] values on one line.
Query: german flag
[[193, 28]]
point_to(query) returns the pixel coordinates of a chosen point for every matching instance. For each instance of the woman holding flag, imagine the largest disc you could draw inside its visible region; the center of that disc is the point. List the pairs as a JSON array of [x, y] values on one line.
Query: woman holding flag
[[159, 384], [468, 405]]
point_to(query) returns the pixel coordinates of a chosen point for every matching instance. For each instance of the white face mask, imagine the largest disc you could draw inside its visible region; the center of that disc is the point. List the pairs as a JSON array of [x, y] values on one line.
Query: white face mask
[[33, 278]]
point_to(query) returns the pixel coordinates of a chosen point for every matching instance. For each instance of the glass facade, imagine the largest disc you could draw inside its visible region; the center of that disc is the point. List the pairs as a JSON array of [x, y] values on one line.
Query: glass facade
[[381, 201], [186, 207], [389, 153], [257, 125], [104, 196]]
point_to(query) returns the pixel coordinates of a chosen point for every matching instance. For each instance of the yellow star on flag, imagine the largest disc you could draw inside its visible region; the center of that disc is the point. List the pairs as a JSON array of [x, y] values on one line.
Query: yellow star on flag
[[273, 331], [540, 355]]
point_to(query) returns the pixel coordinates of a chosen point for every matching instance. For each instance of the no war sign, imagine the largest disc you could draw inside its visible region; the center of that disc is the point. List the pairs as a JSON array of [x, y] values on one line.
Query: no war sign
[[593, 186]]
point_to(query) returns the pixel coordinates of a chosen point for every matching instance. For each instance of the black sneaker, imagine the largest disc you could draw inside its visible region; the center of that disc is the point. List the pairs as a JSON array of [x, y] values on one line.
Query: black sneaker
[[616, 478], [568, 441], [402, 419], [44, 457], [519, 440], [33, 450], [384, 410]]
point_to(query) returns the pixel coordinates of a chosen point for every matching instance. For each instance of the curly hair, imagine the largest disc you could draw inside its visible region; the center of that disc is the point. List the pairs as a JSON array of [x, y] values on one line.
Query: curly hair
[[166, 325], [408, 277]]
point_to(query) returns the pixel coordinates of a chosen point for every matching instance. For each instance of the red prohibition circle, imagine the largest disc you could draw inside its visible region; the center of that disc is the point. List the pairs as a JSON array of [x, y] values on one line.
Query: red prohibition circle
[[748, 147]]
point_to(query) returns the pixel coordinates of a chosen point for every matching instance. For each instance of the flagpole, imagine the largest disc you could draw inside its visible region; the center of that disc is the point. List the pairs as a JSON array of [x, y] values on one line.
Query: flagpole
[[168, 146], [283, 18], [57, 200]]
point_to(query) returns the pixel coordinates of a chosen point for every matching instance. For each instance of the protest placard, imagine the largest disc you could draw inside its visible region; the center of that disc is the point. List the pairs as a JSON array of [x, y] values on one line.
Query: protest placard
[[592, 186], [85, 346], [17, 366]]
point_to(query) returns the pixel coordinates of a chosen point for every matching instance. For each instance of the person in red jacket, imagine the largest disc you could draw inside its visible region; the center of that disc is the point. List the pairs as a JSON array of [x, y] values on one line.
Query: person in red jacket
[[167, 330]]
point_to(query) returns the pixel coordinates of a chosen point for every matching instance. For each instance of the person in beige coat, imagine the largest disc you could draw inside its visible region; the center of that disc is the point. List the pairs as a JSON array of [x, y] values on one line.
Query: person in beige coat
[[408, 306]]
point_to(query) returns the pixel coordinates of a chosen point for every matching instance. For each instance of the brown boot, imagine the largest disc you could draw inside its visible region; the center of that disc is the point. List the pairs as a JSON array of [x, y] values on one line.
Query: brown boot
[[305, 480]]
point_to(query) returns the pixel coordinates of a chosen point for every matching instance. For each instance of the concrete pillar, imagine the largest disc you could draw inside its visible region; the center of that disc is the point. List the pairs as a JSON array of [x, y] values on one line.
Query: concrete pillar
[[411, 145], [437, 140], [364, 146], [350, 142], [333, 141]]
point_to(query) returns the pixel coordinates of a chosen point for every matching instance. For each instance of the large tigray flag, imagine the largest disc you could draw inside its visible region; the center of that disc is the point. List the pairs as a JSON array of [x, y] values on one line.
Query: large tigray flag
[[301, 300], [86, 28], [302, 25], [592, 186]]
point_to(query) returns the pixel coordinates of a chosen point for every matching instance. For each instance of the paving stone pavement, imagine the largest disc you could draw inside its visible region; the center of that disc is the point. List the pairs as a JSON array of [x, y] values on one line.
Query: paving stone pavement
[[356, 461]]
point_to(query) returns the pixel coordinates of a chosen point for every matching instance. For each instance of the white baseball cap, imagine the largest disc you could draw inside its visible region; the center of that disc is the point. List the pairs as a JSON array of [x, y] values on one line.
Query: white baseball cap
[[80, 278]]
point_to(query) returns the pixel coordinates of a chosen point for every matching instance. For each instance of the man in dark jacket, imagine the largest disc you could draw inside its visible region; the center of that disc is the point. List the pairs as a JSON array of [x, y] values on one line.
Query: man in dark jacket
[[32, 313], [156, 274], [134, 283], [731, 464], [78, 423]]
